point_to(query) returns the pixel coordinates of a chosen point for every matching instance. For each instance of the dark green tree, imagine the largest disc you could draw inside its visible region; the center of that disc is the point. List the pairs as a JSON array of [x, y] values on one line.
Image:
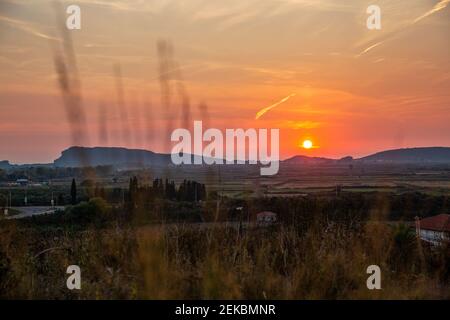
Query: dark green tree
[[133, 191], [60, 201], [73, 192]]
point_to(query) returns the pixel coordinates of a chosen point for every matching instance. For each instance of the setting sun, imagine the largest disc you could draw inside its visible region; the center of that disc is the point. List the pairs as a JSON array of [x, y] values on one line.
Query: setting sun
[[307, 144]]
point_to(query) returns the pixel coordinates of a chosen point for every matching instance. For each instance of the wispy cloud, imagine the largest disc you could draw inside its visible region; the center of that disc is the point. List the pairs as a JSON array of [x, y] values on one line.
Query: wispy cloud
[[291, 124], [266, 109], [117, 5], [26, 27]]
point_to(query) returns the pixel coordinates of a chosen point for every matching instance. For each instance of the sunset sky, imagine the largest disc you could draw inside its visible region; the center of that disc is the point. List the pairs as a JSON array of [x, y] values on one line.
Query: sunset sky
[[348, 89]]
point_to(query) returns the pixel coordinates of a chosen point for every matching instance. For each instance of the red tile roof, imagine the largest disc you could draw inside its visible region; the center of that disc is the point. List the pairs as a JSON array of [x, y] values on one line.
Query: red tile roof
[[441, 222], [266, 213]]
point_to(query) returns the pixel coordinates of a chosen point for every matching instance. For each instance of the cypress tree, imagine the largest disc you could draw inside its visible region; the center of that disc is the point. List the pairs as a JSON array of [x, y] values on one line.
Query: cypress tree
[[73, 192]]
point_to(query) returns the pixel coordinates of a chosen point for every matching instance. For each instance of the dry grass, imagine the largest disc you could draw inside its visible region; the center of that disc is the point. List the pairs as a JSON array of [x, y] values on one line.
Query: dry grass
[[324, 261]]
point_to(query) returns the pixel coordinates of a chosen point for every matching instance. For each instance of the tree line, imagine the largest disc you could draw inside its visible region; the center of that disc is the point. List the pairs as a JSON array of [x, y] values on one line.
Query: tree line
[[188, 190]]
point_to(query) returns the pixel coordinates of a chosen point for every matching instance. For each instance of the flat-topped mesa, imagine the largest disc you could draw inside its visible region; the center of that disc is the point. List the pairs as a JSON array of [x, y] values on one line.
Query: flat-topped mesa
[[4, 164], [115, 156]]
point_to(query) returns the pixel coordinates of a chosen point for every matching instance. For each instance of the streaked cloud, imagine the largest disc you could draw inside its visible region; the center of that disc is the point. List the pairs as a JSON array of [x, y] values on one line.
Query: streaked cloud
[[292, 124], [260, 113]]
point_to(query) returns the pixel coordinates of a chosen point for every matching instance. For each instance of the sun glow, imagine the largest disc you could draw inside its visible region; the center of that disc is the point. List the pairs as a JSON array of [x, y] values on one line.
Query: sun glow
[[307, 144]]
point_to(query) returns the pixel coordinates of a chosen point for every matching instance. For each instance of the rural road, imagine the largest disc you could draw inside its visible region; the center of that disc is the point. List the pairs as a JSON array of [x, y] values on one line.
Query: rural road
[[26, 212]]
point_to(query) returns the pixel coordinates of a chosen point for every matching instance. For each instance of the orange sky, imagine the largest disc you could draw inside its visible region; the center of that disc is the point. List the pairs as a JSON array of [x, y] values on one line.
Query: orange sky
[[236, 57]]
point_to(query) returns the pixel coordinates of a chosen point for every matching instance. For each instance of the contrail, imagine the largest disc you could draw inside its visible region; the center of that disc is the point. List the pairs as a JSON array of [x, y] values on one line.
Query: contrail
[[370, 48], [266, 109], [439, 6], [26, 27]]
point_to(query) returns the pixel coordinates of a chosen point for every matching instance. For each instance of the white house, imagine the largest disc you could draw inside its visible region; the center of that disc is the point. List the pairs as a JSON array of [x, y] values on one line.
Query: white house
[[266, 217], [22, 182], [435, 230]]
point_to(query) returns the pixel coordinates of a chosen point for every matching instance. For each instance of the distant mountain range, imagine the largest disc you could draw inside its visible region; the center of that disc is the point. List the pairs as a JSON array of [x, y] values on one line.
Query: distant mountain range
[[309, 160], [317, 160], [406, 155], [433, 154], [134, 158]]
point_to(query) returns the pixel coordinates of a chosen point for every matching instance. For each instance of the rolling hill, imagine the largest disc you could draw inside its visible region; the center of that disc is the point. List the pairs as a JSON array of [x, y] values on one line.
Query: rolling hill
[[411, 155]]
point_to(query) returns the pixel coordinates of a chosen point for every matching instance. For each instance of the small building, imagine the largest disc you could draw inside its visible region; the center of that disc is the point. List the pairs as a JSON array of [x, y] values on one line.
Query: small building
[[22, 182], [435, 230], [266, 217], [338, 190]]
